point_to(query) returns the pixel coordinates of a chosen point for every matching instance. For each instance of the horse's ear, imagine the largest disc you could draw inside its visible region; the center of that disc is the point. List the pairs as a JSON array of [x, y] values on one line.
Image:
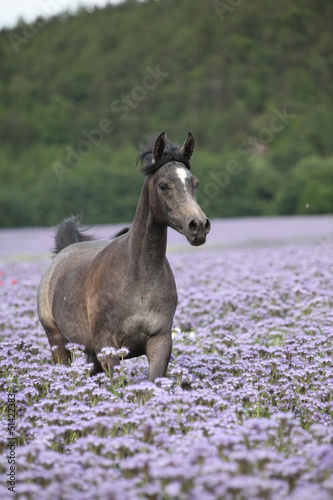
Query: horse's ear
[[160, 147], [188, 147]]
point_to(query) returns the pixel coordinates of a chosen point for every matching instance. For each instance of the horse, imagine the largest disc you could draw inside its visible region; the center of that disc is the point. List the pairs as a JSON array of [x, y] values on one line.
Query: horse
[[122, 293]]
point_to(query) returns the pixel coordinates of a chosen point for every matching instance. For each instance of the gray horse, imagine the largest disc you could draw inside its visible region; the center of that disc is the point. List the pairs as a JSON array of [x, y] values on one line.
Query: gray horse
[[122, 293]]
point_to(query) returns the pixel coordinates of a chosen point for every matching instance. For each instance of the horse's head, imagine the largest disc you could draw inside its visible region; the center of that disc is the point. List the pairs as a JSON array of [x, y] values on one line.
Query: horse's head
[[172, 190]]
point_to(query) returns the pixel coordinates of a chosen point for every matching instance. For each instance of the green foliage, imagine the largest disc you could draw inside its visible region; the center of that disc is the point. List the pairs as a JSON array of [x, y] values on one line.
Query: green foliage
[[222, 73], [309, 187]]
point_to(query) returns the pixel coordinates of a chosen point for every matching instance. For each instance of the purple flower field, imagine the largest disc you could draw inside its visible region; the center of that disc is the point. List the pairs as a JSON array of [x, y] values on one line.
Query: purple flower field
[[246, 411]]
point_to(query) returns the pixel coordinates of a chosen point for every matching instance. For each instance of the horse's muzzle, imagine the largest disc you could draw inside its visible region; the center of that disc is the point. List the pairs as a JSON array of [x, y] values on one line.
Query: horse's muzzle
[[197, 231]]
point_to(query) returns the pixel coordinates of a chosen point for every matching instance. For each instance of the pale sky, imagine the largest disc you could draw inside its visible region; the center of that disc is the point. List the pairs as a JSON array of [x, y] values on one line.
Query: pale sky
[[29, 10]]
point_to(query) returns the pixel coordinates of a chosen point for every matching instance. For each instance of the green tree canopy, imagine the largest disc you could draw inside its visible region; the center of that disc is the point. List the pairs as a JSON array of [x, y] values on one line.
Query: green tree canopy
[[253, 83]]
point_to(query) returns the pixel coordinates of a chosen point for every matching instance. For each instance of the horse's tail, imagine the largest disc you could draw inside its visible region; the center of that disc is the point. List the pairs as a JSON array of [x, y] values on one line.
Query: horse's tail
[[68, 233]]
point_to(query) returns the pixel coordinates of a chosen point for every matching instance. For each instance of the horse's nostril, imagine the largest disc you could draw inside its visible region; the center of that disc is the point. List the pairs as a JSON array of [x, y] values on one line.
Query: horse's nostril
[[207, 225], [193, 226]]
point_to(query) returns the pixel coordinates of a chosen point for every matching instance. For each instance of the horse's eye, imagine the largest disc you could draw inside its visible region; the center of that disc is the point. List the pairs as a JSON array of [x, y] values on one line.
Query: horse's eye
[[196, 184], [162, 186]]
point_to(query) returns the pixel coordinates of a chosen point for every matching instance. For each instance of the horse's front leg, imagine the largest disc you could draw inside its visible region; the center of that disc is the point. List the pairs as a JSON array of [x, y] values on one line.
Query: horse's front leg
[[158, 353], [104, 357], [97, 368], [108, 364]]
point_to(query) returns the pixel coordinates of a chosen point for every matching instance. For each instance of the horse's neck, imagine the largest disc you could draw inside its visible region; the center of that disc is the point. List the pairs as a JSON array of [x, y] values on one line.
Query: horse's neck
[[148, 239]]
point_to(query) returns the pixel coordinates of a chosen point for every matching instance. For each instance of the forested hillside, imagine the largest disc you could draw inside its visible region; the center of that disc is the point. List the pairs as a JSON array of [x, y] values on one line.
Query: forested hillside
[[253, 82]]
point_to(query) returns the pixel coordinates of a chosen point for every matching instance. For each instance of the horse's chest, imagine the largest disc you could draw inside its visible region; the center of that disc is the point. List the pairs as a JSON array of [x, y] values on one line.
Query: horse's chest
[[148, 324], [150, 313]]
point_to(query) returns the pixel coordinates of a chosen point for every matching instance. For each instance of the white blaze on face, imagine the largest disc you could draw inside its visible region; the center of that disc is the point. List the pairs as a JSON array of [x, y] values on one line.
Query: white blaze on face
[[182, 174]]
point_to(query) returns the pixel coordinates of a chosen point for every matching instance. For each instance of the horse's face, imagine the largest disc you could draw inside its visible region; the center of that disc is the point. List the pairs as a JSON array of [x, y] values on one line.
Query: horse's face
[[172, 194]]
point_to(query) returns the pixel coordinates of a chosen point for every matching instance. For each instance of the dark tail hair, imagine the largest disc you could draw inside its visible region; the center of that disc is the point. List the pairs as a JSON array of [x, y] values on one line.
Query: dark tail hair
[[68, 233]]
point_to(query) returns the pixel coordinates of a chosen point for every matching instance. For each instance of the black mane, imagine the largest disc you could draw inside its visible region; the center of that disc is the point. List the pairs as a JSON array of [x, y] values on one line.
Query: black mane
[[171, 154]]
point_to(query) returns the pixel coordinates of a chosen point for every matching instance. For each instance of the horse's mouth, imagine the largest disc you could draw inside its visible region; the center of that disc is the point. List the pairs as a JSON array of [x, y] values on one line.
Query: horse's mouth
[[197, 241]]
